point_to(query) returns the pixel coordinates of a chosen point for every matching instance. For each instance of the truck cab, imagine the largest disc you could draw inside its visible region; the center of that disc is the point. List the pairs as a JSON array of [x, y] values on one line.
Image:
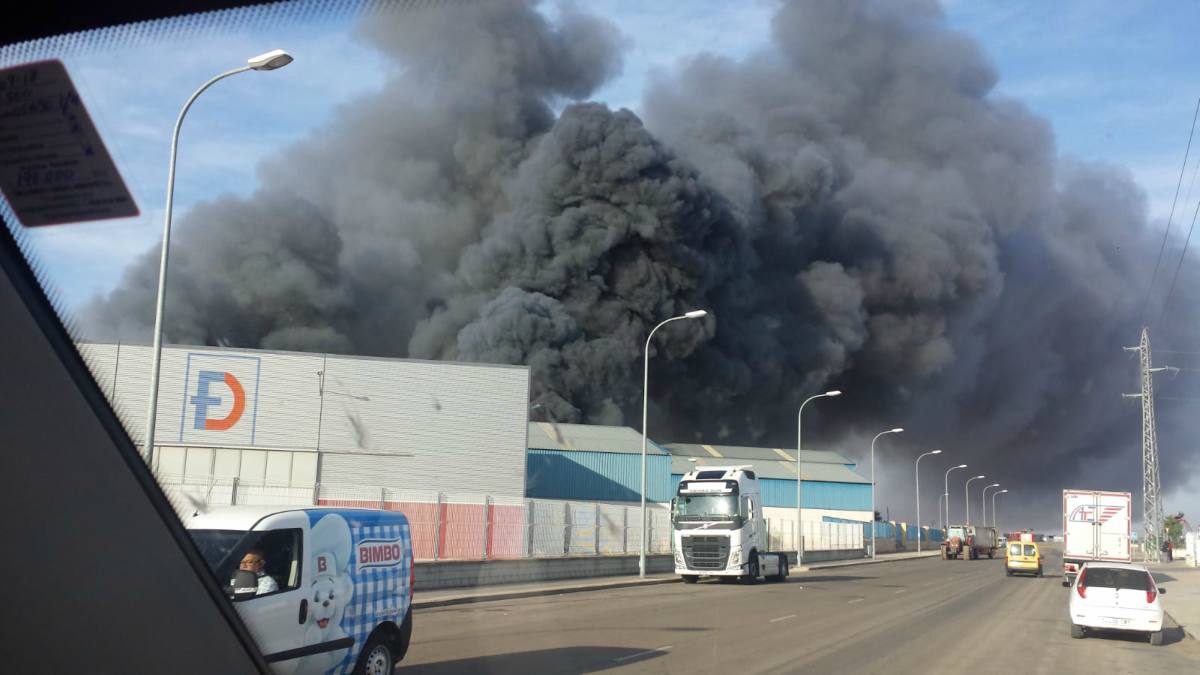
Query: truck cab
[[718, 528]]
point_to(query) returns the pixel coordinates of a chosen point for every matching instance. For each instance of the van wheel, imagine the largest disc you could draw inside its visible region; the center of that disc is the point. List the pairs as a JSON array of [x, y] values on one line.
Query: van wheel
[[690, 578], [1156, 638], [377, 657], [1077, 631]]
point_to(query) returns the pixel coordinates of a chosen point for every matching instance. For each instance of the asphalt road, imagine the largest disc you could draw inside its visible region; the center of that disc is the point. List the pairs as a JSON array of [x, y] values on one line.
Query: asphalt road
[[924, 615]]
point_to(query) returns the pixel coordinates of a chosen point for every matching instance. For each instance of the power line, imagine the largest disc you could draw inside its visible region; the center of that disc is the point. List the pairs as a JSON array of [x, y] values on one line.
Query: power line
[[1182, 256], [1167, 232]]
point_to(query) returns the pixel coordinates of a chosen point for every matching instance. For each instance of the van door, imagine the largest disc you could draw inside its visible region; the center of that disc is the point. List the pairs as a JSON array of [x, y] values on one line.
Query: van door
[[276, 616]]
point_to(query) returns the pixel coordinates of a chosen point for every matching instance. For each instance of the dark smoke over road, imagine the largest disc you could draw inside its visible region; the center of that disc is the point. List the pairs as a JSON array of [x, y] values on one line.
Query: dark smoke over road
[[854, 205]]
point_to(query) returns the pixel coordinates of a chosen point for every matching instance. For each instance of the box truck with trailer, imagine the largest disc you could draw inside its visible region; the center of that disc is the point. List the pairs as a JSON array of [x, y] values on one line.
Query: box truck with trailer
[[1097, 526], [718, 528], [969, 542]]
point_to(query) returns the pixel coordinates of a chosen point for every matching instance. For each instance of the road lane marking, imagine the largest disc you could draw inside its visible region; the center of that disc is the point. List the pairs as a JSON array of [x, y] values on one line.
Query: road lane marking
[[901, 590], [854, 601], [645, 653], [784, 618]]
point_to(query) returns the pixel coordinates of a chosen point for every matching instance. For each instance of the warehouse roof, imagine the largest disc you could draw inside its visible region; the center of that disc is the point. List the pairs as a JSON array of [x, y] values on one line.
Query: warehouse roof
[[756, 454], [773, 468], [589, 438]]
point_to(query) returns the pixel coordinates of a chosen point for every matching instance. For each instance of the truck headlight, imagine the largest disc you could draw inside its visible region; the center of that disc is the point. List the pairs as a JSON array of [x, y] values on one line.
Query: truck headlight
[[679, 559], [735, 556]]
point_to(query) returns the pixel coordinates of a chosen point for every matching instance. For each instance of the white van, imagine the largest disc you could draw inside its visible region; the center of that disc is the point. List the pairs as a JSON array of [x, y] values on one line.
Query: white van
[[323, 590]]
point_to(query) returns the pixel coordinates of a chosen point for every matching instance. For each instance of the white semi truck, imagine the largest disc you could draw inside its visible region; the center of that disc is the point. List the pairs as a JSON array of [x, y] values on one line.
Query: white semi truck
[[718, 527], [1097, 526]]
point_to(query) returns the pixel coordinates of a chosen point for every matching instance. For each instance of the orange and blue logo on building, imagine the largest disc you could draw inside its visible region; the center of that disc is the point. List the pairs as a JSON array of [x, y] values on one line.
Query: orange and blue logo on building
[[220, 395]]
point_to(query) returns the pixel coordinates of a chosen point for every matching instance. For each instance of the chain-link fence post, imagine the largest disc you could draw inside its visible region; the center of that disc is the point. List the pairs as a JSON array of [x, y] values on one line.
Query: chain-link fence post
[[233, 490], [529, 528], [596, 545], [437, 529], [567, 528], [487, 512]]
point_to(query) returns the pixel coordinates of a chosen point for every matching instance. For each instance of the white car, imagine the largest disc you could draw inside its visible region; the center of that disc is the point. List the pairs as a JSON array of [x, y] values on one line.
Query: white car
[[1116, 596]]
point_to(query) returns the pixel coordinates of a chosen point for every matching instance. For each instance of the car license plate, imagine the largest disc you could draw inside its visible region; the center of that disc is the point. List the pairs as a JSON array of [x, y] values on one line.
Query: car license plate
[[1115, 621]]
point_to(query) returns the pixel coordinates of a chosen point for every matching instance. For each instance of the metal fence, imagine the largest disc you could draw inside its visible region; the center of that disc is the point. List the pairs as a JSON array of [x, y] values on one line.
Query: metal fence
[[450, 526]]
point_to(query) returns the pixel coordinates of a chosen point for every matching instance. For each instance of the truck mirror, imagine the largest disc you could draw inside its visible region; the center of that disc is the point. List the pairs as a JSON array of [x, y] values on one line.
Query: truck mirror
[[1161, 591], [1066, 584], [244, 584]]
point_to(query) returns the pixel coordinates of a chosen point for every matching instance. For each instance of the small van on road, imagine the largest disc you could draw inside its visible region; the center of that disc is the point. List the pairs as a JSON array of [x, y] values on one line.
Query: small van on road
[[323, 590]]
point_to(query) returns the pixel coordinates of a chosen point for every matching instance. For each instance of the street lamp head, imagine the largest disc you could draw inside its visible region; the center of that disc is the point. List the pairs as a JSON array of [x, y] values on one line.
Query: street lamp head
[[697, 313], [979, 476], [1001, 492], [897, 430], [936, 452], [272, 60], [961, 466], [994, 485], [835, 392]]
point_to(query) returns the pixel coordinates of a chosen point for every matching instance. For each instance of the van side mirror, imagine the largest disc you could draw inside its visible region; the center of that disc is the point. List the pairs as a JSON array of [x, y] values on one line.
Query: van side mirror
[[1162, 591], [245, 585]]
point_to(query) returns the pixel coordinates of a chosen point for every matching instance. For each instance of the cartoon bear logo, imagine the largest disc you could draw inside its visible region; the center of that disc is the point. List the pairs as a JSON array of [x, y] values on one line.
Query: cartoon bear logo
[[329, 593]]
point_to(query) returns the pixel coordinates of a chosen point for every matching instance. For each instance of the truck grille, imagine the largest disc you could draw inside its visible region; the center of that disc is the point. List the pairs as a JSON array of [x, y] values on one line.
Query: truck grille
[[706, 553]]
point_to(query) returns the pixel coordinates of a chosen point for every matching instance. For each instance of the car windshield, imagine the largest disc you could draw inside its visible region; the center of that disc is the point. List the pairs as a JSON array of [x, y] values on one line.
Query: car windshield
[[516, 268], [1107, 577]]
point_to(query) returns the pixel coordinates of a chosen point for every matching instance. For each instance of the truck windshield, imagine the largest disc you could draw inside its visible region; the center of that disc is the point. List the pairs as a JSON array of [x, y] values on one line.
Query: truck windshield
[[956, 532], [706, 507], [215, 545]]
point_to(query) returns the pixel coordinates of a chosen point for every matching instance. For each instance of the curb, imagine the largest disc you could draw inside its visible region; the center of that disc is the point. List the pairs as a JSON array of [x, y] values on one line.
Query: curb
[[868, 561], [533, 593], [536, 592]]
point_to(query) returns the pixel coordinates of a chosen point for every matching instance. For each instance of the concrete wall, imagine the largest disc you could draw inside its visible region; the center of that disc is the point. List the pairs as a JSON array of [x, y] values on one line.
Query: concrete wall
[[471, 573]]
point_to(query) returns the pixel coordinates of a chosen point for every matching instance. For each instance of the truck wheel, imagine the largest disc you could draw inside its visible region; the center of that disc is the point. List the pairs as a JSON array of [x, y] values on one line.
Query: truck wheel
[[1077, 632], [991, 554], [752, 569], [690, 578], [1039, 572], [377, 657], [1007, 572], [1156, 638]]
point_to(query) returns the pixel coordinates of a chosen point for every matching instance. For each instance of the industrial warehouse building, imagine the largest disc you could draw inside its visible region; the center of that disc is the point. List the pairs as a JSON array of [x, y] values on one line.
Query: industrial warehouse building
[[424, 436]]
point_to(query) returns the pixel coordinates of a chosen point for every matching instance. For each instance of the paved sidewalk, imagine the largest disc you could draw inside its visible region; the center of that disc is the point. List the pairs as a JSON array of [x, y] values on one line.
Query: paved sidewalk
[[1182, 600], [458, 596]]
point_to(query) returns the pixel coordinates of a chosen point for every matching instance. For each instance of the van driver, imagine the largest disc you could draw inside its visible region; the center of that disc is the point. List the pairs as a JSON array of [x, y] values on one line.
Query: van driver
[[254, 561]]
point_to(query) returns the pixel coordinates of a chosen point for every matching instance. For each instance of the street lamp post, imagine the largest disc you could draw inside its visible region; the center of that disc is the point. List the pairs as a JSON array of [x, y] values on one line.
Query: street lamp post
[[994, 505], [946, 493], [889, 431], [694, 314], [269, 61], [920, 529], [799, 445], [983, 502], [941, 512], [967, 497]]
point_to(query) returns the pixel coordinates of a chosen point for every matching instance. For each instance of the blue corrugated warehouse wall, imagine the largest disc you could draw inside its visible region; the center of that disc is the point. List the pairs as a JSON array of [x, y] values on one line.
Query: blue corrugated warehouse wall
[[596, 476], [816, 494]]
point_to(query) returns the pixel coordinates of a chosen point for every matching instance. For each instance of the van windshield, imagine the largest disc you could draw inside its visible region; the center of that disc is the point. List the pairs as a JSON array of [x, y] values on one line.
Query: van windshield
[[215, 545]]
